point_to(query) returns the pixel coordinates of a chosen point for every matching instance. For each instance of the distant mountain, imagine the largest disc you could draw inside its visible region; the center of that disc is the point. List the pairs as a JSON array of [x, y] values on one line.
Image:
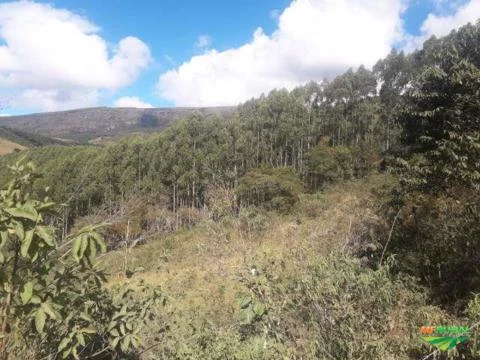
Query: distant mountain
[[91, 123]]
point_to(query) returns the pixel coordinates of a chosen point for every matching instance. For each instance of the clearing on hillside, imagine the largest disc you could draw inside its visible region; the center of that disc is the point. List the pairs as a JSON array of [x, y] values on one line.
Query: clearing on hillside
[[7, 146]]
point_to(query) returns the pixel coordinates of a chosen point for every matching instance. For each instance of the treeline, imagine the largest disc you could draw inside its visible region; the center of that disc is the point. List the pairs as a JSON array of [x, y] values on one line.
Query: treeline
[[435, 210], [324, 131]]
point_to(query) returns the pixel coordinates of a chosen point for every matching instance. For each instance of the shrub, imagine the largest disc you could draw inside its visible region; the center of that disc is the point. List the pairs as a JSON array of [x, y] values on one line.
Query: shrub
[[335, 308], [436, 238], [220, 201], [270, 188], [252, 221], [53, 300], [329, 164]]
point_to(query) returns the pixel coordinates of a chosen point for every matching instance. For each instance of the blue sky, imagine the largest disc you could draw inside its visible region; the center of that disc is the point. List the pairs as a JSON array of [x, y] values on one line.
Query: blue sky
[[80, 53], [171, 29]]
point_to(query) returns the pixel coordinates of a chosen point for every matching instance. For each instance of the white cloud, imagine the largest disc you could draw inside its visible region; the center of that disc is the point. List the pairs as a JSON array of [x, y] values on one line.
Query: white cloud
[[314, 39], [55, 59], [442, 25], [454, 15], [447, 6], [131, 101], [203, 42], [55, 99]]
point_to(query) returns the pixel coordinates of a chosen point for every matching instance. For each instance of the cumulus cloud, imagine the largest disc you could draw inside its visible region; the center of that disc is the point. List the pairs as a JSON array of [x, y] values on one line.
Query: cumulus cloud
[[450, 15], [132, 101], [447, 6], [314, 39], [56, 99], [56, 59], [441, 25]]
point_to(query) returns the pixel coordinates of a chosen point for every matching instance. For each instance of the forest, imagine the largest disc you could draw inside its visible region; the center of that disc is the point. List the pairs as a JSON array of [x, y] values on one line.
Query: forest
[[331, 221]]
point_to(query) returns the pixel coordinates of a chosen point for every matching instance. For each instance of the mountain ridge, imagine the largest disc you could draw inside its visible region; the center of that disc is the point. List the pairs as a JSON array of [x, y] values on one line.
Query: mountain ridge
[[89, 123]]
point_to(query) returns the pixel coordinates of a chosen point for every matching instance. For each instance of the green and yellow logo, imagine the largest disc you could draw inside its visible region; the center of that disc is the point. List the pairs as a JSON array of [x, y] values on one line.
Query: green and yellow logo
[[445, 338]]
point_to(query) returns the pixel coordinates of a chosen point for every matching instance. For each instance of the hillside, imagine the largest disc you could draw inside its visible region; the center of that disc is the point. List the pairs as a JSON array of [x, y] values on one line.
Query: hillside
[[91, 123], [15, 139], [209, 272], [7, 146], [332, 221]]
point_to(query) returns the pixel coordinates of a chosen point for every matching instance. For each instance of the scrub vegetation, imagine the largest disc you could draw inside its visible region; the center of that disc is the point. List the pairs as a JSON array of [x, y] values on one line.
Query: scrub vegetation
[[327, 222]]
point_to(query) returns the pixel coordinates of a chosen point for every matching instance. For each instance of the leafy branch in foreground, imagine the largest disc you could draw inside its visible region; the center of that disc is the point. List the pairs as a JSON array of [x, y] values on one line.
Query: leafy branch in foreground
[[53, 301]]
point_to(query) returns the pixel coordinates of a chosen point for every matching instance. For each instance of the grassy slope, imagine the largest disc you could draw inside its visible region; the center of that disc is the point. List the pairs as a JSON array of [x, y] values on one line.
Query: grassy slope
[[7, 146], [320, 221], [200, 268]]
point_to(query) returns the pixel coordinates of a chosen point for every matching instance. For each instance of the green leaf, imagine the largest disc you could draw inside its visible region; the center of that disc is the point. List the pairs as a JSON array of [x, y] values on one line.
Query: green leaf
[[83, 246], [3, 238], [27, 293], [46, 206], [80, 338], [63, 344], [76, 248], [40, 318], [93, 249], [100, 241], [86, 317], [75, 353], [47, 234], [244, 302], [35, 300], [258, 309], [89, 330], [26, 212], [66, 353], [135, 342], [50, 311], [26, 242], [19, 231], [125, 344], [246, 316], [114, 342]]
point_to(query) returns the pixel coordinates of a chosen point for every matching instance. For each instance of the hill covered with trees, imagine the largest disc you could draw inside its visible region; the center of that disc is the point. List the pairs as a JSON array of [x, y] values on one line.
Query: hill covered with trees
[[87, 124], [330, 221]]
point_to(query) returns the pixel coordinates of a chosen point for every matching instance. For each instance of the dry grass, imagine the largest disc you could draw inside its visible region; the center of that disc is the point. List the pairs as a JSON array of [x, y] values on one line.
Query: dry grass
[[7, 146], [200, 269]]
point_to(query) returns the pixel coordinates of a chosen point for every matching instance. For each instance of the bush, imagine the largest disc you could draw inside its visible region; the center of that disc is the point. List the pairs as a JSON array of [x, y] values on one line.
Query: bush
[[437, 239], [220, 201], [53, 300], [335, 308], [329, 164], [270, 188], [252, 221]]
